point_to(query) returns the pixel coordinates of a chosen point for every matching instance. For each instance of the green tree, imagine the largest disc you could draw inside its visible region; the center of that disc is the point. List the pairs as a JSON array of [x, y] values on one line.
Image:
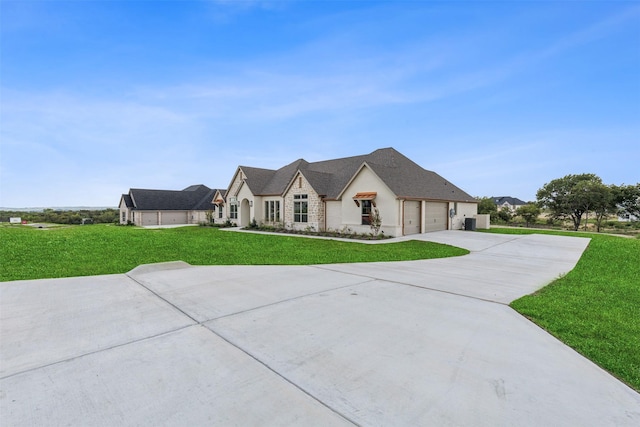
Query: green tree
[[529, 213], [504, 215], [595, 197], [601, 202], [569, 197], [627, 199], [486, 205]]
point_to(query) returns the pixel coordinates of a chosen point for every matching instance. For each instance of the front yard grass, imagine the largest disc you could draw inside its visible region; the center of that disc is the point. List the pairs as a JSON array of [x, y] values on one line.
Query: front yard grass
[[32, 253], [595, 308]]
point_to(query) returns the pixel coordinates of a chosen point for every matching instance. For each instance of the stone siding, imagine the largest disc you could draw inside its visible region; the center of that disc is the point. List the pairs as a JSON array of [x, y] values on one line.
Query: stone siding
[[315, 207]]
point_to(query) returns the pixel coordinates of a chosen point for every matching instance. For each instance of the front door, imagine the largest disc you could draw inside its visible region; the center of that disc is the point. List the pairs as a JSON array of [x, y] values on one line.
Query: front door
[[245, 213]]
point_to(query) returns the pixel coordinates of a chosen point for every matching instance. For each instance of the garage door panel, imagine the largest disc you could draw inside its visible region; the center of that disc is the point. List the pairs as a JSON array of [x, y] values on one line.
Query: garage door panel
[[411, 217], [436, 216], [169, 218], [149, 218]]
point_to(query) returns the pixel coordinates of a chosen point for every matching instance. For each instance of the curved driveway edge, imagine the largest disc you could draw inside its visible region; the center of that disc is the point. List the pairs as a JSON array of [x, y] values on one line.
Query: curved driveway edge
[[404, 343]]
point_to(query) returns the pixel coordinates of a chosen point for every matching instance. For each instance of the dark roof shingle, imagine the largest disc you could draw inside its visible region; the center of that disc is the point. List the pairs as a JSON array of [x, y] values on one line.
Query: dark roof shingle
[[330, 177], [195, 197]]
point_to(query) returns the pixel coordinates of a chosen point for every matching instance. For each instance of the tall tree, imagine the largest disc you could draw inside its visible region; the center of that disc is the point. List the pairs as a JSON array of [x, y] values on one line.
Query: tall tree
[[529, 213], [569, 197], [627, 199], [486, 205]]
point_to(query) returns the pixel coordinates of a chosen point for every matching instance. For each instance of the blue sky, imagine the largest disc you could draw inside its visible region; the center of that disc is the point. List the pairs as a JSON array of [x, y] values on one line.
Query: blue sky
[[498, 97]]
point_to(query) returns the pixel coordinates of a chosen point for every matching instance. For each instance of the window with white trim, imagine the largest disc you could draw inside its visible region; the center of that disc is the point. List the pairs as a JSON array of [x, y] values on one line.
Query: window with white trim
[[233, 211], [272, 211], [300, 208]]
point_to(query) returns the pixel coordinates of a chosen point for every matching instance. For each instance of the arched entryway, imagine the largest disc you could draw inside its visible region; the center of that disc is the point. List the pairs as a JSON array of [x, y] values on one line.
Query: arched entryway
[[245, 213]]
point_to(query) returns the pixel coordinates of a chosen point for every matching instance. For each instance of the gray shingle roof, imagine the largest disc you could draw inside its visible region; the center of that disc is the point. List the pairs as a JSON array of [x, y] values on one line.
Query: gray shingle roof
[[257, 178], [195, 197], [127, 201], [513, 201], [330, 177]]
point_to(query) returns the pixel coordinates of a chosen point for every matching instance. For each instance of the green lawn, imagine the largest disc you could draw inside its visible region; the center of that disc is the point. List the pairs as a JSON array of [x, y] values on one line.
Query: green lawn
[[32, 253], [595, 308]]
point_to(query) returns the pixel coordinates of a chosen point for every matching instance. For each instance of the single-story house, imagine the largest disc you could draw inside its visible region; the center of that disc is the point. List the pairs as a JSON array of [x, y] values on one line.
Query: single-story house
[[627, 218], [192, 205], [509, 203], [342, 193]]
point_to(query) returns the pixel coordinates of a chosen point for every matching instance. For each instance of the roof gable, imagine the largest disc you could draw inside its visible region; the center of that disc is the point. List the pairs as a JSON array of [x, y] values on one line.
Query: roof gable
[[513, 201], [329, 178], [256, 178]]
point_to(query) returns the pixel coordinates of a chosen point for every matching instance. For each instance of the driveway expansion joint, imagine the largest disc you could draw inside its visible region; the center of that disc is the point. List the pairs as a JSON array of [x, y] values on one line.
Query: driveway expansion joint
[[281, 376], [425, 288]]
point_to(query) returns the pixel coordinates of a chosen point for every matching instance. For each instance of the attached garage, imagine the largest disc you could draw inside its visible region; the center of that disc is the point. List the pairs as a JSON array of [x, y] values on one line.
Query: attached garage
[[149, 218], [436, 216], [169, 218], [411, 217], [168, 207]]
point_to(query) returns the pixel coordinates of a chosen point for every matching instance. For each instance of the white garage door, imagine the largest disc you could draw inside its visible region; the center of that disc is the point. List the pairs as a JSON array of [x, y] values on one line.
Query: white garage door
[[411, 217], [149, 218], [169, 218], [436, 216]]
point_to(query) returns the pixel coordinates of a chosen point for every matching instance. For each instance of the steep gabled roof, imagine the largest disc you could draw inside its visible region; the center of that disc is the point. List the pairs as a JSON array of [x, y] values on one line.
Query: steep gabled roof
[[282, 177], [206, 203], [194, 197], [257, 178], [127, 201], [409, 180], [330, 177], [333, 175]]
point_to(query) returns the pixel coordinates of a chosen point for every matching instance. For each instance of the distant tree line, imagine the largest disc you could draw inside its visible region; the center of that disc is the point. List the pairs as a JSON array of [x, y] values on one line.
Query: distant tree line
[[573, 198], [102, 216]]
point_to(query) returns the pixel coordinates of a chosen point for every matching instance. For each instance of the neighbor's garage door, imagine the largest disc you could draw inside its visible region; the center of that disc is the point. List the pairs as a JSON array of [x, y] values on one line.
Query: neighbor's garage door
[[149, 218], [436, 216], [411, 217], [169, 218]]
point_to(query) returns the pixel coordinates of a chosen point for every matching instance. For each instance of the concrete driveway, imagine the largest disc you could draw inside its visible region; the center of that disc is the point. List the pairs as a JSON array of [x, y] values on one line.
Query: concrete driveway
[[402, 343]]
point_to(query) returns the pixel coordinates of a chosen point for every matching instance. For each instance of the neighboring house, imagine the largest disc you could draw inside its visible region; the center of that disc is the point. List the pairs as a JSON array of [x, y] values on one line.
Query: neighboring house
[[340, 194], [627, 218], [166, 207], [509, 203]]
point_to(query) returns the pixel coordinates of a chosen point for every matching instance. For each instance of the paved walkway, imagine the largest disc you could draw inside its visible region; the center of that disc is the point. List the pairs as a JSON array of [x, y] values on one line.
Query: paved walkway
[[401, 343]]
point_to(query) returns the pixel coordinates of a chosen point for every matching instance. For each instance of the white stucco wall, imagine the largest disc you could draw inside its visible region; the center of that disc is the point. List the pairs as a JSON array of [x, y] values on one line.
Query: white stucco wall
[[465, 210], [240, 191], [334, 214], [385, 201]]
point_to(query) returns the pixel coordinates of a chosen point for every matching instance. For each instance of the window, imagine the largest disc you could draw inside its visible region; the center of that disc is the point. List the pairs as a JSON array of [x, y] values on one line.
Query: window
[[300, 208], [366, 212], [272, 211], [124, 216], [233, 211], [220, 211]]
